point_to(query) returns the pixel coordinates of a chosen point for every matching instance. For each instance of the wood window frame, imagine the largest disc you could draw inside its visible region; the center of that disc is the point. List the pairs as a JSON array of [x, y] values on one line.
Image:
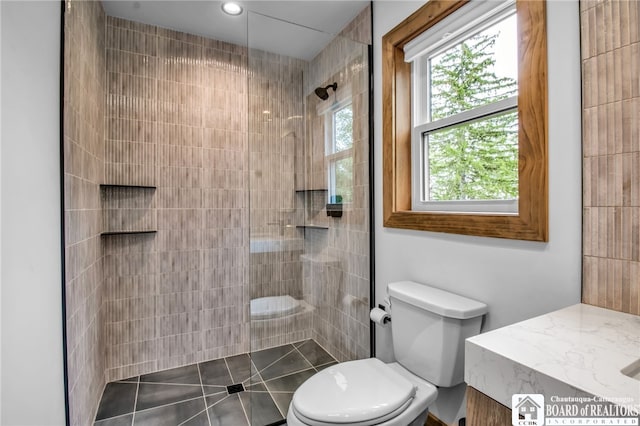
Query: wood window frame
[[531, 221]]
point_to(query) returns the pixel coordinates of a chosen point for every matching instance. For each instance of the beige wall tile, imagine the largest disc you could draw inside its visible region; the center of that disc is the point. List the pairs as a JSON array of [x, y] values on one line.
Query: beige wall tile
[[172, 112], [84, 135], [611, 200]]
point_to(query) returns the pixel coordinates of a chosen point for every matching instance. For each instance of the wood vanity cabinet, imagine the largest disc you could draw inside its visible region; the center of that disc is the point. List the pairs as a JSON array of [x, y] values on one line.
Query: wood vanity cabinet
[[484, 411]]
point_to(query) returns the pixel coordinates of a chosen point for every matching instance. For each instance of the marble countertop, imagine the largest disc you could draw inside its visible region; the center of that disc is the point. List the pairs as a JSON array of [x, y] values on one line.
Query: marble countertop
[[575, 351]]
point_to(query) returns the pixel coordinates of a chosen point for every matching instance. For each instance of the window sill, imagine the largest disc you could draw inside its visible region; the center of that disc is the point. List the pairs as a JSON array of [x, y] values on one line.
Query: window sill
[[508, 225]]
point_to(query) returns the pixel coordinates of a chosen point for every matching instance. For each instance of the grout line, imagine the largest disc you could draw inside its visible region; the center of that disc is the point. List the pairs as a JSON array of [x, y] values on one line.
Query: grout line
[[196, 415], [215, 403], [265, 386], [301, 342], [167, 405], [321, 347], [288, 374], [305, 358], [257, 371], [326, 363], [95, 410], [201, 273], [98, 422], [279, 359], [248, 380], [217, 393], [324, 349], [251, 364], [222, 388], [135, 402], [251, 376], [204, 398], [244, 410], [228, 369], [284, 415], [179, 384], [126, 381]]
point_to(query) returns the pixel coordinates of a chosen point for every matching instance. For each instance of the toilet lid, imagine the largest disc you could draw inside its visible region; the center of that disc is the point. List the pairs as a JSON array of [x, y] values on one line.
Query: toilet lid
[[353, 392]]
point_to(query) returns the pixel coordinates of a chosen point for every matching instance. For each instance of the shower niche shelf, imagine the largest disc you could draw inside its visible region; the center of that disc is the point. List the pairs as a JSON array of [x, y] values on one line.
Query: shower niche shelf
[[304, 191], [314, 200], [312, 227], [105, 234], [117, 185], [139, 195]]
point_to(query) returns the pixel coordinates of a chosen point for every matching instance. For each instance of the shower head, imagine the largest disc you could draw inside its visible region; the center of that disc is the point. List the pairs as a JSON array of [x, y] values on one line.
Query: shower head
[[323, 93]]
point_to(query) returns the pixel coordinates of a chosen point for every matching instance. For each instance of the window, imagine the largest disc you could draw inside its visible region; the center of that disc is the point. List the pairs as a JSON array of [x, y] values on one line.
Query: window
[[465, 120], [465, 123], [339, 152]]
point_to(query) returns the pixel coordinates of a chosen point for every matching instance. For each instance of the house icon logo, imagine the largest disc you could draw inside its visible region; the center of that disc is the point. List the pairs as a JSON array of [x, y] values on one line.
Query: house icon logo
[[527, 410]]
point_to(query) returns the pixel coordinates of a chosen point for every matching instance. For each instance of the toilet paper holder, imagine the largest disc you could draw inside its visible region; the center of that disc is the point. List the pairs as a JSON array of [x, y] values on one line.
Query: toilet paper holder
[[380, 315], [384, 308]]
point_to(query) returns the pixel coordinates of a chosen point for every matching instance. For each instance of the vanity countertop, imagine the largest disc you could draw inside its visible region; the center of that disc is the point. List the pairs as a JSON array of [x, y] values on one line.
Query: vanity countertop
[[575, 351]]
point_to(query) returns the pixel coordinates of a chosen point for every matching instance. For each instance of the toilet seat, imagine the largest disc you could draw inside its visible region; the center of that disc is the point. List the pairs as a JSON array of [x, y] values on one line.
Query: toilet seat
[[369, 422], [364, 392]]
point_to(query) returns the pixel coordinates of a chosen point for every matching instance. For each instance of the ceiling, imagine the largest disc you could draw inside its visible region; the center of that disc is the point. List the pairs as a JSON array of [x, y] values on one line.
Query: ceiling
[[267, 25]]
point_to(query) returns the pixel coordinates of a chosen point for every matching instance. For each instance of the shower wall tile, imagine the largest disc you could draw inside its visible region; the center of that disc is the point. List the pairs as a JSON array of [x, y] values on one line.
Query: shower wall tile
[[172, 111], [130, 147], [130, 287], [285, 153], [133, 40], [84, 135], [131, 354], [276, 133], [336, 275], [359, 29], [175, 120], [133, 331], [611, 154]]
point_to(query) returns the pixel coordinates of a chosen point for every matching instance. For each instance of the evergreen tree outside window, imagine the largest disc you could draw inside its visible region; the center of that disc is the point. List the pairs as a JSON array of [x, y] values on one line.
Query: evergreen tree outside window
[[465, 137], [339, 155]]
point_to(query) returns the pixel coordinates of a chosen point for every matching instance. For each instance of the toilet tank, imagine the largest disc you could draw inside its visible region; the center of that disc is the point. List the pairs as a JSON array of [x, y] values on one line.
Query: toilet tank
[[429, 327]]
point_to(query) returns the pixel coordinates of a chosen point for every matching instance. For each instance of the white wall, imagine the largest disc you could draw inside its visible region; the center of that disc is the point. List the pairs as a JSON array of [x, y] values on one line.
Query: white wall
[[517, 279], [31, 345], [0, 219]]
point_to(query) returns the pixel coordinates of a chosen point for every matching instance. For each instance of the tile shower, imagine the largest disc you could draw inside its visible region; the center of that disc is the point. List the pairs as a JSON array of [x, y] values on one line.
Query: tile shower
[[611, 155], [188, 165]]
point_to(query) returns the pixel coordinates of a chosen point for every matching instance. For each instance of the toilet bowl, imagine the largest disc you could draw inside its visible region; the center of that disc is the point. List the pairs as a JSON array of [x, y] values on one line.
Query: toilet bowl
[[370, 392]]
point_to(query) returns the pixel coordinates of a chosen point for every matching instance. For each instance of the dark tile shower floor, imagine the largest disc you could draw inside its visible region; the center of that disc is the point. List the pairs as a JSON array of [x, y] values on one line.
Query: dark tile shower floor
[[198, 394]]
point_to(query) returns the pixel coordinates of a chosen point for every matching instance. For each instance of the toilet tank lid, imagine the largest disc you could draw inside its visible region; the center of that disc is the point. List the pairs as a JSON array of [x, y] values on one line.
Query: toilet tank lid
[[434, 300]]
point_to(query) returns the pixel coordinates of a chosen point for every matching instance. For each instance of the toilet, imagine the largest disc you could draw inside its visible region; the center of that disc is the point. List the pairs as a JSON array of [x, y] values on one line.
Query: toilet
[[429, 327]]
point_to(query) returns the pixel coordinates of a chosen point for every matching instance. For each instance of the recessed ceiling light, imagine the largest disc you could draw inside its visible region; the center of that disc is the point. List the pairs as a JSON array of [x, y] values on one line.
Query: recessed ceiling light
[[231, 8]]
